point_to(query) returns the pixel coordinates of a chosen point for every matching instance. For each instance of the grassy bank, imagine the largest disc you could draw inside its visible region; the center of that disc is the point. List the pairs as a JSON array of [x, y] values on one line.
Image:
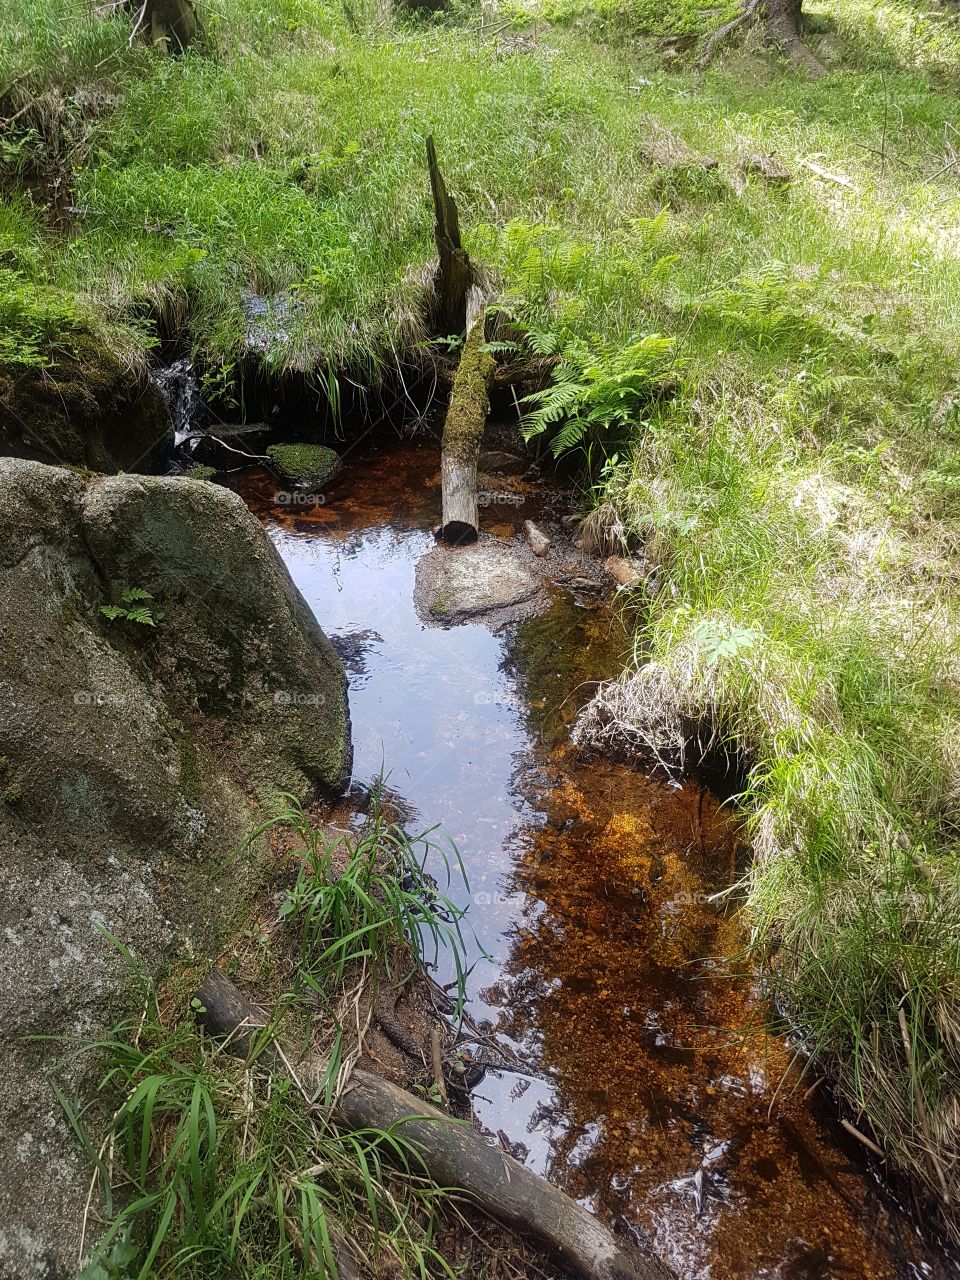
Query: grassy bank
[[226, 1158], [784, 454]]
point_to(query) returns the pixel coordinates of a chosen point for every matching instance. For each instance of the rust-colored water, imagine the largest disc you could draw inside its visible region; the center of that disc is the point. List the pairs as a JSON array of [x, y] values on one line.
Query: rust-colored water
[[602, 953]]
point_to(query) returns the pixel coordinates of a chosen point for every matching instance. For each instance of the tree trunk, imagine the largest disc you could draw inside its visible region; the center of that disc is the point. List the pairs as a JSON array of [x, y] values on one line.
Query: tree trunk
[[454, 273], [453, 1154], [463, 431], [169, 25], [781, 18], [783, 23]]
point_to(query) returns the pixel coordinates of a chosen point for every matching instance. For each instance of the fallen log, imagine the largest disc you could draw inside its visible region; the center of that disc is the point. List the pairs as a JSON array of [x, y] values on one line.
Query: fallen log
[[463, 431], [453, 1154]]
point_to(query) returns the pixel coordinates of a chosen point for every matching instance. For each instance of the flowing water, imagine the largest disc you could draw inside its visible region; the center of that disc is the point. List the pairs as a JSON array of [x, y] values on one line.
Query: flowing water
[[601, 953]]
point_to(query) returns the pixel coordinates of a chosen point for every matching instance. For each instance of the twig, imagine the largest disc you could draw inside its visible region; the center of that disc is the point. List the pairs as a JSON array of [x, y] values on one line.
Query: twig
[[17, 114], [254, 457], [437, 1060], [862, 1137], [138, 24], [943, 169], [827, 176]]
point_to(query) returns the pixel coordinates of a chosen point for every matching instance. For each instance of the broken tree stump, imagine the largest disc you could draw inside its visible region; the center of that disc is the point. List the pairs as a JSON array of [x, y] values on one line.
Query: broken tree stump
[[169, 25], [765, 166], [668, 152], [463, 431], [452, 1153], [454, 276]]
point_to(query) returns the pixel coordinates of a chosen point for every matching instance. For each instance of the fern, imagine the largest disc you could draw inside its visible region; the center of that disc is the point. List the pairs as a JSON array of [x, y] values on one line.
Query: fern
[[598, 391], [136, 607]]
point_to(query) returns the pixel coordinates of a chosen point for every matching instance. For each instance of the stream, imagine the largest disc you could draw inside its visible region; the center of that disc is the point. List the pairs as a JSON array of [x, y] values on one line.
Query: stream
[[600, 954]]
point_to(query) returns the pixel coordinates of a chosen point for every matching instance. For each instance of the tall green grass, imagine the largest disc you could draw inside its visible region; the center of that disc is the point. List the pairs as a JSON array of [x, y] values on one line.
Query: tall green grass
[[217, 1166], [216, 1163]]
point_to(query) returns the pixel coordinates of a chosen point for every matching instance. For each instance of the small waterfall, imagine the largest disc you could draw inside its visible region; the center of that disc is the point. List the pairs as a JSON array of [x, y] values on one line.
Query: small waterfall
[[179, 387]]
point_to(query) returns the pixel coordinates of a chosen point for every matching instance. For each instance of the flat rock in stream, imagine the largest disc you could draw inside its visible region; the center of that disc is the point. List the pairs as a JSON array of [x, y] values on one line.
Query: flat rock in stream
[[491, 582]]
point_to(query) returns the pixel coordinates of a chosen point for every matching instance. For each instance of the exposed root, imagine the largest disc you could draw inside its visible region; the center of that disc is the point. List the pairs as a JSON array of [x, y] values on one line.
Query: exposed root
[[722, 33], [780, 18]]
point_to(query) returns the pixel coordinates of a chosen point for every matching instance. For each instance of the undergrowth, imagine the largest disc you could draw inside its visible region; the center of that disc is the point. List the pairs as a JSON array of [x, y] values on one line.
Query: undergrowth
[[218, 1162]]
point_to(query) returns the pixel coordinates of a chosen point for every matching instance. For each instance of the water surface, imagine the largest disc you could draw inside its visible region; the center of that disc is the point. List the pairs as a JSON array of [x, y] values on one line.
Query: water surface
[[601, 951]]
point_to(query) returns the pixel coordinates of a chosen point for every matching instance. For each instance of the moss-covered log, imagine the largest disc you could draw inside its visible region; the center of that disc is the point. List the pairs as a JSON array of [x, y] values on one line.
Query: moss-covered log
[[463, 431], [454, 1155]]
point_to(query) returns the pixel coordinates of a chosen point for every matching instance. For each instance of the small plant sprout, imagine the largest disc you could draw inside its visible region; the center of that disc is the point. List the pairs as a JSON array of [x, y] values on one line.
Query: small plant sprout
[[135, 606]]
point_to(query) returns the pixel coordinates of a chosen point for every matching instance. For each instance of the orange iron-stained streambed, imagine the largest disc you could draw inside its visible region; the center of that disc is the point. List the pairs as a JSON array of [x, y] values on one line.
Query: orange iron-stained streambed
[[668, 1104]]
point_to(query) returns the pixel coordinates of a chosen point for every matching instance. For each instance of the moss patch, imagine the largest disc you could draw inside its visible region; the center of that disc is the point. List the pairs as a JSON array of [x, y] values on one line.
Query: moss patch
[[469, 403], [309, 466], [87, 409]]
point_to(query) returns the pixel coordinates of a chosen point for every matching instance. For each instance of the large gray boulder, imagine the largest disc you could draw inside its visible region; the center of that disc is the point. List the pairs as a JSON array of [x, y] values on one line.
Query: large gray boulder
[[132, 760]]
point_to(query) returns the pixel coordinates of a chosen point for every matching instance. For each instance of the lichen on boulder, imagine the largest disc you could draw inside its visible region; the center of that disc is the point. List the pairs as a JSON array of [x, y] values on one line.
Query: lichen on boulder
[[308, 466]]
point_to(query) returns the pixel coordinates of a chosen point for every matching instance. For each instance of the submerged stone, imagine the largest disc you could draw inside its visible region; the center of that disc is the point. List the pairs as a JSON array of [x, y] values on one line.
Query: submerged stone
[[308, 466]]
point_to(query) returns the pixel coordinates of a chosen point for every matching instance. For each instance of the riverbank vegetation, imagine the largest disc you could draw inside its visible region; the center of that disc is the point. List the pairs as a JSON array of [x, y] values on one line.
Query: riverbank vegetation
[[759, 377], [228, 1157]]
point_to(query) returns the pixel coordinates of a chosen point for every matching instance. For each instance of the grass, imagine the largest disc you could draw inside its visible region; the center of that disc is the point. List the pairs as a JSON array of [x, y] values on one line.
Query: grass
[[216, 1163], [761, 382], [215, 1166]]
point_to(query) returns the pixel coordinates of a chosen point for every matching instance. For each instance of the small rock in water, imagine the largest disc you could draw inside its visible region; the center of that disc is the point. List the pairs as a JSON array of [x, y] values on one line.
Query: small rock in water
[[537, 539], [485, 582], [308, 466]]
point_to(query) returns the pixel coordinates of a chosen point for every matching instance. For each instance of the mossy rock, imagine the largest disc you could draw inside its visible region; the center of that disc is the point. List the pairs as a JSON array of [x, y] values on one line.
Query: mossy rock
[[88, 409], [308, 466], [200, 473], [132, 771]]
